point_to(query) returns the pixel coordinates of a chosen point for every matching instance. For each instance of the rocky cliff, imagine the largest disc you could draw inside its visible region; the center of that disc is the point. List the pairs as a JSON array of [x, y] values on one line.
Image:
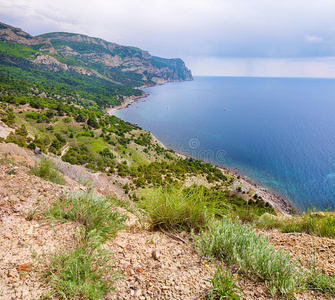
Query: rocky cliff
[[126, 65]]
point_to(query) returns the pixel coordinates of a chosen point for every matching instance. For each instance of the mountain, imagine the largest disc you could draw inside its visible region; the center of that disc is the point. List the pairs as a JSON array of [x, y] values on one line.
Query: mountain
[[110, 59], [79, 68], [94, 56]]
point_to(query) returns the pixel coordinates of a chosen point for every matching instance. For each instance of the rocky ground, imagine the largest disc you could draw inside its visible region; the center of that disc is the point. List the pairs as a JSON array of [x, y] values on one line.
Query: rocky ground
[[153, 265]]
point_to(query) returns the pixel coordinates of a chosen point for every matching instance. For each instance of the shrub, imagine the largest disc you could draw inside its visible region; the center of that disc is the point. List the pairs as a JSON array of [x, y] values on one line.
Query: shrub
[[239, 243], [67, 120]]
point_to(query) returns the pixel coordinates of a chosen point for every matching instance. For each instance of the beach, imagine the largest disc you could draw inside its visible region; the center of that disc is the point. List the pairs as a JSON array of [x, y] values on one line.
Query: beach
[[126, 102], [281, 205]]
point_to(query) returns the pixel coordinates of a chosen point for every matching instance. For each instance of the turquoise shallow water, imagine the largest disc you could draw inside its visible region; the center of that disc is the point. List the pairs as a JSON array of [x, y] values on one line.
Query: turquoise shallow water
[[278, 132]]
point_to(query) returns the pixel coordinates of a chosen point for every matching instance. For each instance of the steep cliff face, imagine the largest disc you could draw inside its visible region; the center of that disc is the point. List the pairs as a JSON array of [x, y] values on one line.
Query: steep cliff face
[[90, 56], [97, 53], [12, 34]]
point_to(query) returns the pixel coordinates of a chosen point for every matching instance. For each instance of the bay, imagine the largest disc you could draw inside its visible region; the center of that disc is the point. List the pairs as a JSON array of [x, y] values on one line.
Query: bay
[[279, 132]]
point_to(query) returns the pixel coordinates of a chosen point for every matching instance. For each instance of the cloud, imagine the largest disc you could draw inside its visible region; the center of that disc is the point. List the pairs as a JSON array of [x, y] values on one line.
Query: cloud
[[241, 29], [263, 67], [313, 39]]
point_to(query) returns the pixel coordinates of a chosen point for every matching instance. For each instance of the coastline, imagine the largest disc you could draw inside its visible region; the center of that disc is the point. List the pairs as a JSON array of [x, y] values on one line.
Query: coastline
[[280, 204], [126, 102]]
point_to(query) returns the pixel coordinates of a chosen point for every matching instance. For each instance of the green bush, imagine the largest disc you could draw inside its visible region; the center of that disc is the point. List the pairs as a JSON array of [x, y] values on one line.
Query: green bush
[[9, 119], [239, 243], [67, 120], [86, 271], [320, 281], [320, 224]]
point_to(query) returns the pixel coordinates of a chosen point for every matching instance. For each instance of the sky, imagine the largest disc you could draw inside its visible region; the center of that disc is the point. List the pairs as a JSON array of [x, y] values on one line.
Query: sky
[[270, 38]]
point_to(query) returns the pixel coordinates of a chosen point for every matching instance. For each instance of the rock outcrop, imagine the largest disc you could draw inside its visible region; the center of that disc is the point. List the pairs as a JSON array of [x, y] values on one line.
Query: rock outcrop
[[90, 56]]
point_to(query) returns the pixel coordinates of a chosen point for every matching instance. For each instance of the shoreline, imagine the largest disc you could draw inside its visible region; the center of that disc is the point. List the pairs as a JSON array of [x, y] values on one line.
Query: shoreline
[[126, 102], [279, 203]]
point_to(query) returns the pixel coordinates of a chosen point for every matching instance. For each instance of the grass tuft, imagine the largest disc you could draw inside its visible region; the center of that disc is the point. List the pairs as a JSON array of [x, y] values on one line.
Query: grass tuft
[[94, 212], [174, 207], [82, 273], [315, 223], [47, 170], [223, 285], [319, 281], [86, 271]]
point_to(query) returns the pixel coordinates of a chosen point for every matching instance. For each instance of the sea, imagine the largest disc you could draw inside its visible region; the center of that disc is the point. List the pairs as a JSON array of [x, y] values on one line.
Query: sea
[[278, 132]]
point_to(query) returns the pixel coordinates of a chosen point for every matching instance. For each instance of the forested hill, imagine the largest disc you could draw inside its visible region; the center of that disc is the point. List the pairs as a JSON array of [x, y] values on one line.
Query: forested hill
[[119, 63], [78, 67]]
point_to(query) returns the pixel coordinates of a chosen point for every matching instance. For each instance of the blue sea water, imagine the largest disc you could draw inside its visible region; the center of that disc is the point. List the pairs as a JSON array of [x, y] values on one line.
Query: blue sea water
[[279, 132]]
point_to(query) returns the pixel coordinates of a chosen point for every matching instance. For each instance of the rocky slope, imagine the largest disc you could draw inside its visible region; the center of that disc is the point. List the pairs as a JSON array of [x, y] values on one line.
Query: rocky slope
[[154, 266], [95, 57]]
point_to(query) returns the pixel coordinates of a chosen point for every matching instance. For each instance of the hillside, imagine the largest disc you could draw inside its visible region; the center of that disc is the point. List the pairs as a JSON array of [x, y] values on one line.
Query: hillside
[[86, 197], [153, 265], [118, 62], [79, 68], [101, 155]]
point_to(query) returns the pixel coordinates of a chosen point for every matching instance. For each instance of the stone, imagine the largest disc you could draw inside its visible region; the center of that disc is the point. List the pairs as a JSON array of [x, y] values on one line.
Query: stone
[[155, 255], [183, 234], [12, 273]]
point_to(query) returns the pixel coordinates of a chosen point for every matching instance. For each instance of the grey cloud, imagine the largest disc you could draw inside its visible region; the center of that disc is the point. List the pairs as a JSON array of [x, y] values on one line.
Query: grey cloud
[[201, 28]]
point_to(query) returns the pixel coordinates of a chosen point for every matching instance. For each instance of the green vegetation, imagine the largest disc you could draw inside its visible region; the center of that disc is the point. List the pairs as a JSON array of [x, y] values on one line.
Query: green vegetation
[[19, 137], [85, 272], [223, 285], [319, 224], [151, 174], [239, 243], [176, 208], [15, 50], [247, 210], [47, 170], [82, 89], [9, 117], [319, 281], [96, 214]]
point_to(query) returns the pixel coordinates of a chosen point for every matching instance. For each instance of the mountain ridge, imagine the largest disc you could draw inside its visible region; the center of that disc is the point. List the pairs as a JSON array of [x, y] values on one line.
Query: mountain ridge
[[126, 65]]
